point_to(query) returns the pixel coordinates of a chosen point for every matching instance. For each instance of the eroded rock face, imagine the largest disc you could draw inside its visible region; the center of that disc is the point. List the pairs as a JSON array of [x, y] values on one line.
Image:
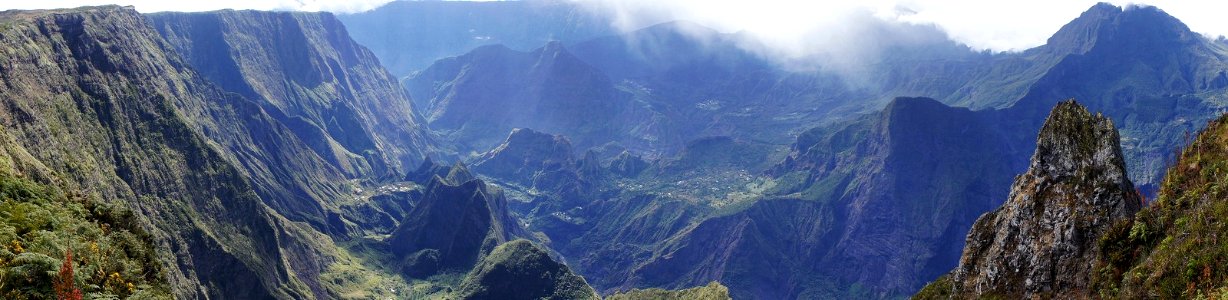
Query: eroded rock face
[[1044, 240]]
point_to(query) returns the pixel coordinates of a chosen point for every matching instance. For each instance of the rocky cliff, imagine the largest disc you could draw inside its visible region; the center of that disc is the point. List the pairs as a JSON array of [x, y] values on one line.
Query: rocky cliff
[[1045, 240], [95, 100], [304, 69]]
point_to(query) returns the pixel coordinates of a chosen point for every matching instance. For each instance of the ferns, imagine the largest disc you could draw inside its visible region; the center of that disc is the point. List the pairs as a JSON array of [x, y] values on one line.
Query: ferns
[[42, 226]]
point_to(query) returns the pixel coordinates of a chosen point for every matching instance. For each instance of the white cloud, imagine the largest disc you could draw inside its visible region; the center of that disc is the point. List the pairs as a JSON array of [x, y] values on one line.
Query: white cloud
[[998, 25]]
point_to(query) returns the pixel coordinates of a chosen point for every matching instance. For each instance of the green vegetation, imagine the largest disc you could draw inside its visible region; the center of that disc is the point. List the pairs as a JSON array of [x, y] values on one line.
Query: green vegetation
[[940, 288], [360, 274], [520, 270], [713, 291], [112, 256], [1172, 249]]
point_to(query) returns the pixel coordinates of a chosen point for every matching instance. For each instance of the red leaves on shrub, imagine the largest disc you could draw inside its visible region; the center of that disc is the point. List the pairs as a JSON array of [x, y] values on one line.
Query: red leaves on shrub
[[64, 287]]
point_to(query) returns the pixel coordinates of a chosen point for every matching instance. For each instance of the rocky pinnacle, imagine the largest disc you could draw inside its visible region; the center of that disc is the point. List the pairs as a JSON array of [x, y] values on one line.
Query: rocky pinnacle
[[1043, 241]]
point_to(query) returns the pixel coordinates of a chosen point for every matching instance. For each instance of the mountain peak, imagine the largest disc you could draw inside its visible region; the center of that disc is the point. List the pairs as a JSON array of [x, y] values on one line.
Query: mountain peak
[[453, 225], [459, 174], [521, 270], [525, 139], [1102, 8], [1072, 139], [1106, 23], [1044, 239], [554, 46]]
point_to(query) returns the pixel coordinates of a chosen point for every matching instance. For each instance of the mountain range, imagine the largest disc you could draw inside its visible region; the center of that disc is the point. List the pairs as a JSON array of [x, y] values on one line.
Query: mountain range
[[528, 150], [880, 172]]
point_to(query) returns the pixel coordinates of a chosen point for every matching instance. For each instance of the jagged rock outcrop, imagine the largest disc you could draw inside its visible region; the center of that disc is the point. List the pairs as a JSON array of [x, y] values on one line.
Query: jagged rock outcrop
[[429, 169], [458, 221], [1044, 241], [520, 270], [545, 165]]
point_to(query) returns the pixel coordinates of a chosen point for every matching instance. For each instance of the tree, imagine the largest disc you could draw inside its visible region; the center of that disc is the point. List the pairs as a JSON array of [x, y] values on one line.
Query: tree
[[65, 289]]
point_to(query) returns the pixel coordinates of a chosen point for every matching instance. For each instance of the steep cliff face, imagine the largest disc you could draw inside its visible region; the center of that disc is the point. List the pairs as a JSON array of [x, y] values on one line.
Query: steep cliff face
[[304, 69], [95, 100], [545, 165], [1045, 240]]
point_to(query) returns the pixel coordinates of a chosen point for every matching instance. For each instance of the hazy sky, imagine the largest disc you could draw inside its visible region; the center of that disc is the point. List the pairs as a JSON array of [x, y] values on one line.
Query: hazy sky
[[982, 24]]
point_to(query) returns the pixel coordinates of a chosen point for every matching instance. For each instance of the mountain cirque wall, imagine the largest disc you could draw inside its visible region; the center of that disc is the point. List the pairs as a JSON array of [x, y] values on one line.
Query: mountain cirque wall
[[95, 100], [306, 71]]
